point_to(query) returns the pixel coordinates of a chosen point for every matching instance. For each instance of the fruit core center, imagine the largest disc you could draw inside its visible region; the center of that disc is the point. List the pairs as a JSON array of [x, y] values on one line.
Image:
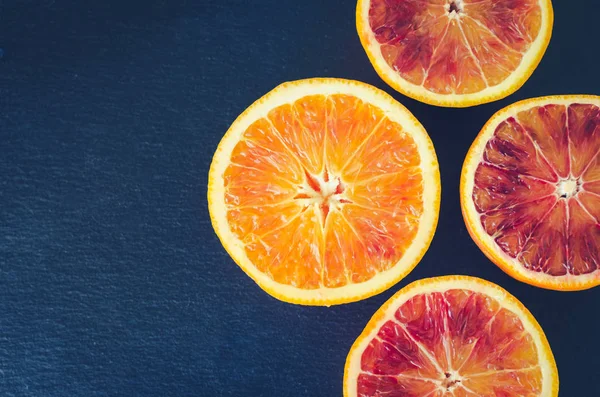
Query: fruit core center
[[455, 6], [567, 188], [450, 381], [324, 191]]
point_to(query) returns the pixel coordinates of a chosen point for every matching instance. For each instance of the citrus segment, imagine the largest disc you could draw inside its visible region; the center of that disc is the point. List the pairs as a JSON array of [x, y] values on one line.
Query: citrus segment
[[455, 52], [583, 120], [522, 383], [348, 123], [453, 69], [515, 23], [546, 127], [346, 257], [387, 150], [499, 188], [583, 240], [394, 386], [451, 336], [496, 59], [422, 317], [510, 148], [529, 193], [592, 187], [394, 193], [513, 226], [325, 191], [546, 249]]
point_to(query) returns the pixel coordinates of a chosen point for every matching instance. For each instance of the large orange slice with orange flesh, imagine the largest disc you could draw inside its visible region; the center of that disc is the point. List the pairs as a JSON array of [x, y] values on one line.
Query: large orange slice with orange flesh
[[452, 336], [325, 191], [530, 191], [455, 53]]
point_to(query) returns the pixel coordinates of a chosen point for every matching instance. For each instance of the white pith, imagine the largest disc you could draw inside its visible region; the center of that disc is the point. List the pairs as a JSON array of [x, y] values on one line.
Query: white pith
[[567, 187], [326, 195], [459, 5]]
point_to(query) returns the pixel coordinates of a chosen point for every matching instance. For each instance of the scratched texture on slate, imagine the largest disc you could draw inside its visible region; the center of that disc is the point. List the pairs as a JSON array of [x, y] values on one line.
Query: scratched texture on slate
[[111, 280]]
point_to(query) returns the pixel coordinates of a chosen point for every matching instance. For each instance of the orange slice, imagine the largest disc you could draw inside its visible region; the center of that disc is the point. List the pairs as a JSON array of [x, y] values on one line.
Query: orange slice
[[530, 191], [455, 53], [325, 191], [452, 336]]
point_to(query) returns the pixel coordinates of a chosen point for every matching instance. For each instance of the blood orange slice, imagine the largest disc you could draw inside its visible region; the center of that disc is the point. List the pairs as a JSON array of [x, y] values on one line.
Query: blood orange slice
[[452, 336], [325, 191], [530, 191], [455, 53]]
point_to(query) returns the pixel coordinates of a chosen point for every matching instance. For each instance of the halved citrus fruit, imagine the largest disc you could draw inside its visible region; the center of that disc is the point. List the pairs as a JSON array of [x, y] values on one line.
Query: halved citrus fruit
[[452, 336], [530, 191], [455, 53], [325, 191]]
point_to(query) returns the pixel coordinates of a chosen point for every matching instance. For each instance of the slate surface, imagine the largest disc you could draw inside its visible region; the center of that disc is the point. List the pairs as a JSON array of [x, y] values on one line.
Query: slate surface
[[111, 280]]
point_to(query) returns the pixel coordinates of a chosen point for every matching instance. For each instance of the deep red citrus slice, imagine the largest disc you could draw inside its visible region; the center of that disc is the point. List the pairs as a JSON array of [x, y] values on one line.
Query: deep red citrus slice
[[451, 336], [455, 52], [530, 191]]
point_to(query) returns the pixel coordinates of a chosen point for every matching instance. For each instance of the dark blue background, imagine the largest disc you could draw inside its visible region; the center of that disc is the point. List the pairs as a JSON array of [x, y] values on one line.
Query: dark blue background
[[112, 282]]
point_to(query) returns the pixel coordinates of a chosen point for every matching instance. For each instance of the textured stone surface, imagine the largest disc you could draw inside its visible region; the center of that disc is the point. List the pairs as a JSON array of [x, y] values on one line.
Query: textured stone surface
[[112, 282]]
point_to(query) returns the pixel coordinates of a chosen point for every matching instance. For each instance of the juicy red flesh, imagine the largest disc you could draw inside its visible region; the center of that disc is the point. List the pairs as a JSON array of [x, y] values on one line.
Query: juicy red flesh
[[535, 188], [450, 342], [454, 47]]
